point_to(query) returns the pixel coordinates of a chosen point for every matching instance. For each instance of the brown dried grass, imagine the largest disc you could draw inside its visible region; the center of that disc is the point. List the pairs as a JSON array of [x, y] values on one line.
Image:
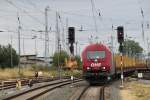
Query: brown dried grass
[[140, 90], [11, 73]]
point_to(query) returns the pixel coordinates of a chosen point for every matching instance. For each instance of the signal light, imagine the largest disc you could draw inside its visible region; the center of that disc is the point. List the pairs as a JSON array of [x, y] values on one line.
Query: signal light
[[71, 34], [120, 34]]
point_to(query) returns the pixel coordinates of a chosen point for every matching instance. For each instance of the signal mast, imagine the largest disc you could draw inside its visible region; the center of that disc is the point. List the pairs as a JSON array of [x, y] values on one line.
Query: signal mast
[[120, 36]]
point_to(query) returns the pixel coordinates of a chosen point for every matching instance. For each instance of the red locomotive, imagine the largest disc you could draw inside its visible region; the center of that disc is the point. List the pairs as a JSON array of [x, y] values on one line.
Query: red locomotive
[[97, 62], [100, 65]]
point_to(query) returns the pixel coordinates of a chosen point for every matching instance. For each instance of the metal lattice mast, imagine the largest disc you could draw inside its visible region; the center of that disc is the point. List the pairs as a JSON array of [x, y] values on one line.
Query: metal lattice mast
[[95, 23], [46, 36], [11, 53], [58, 45], [67, 43], [57, 34], [19, 49]]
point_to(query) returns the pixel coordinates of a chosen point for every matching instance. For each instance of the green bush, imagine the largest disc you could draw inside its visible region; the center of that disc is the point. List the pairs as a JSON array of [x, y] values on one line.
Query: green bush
[[59, 58], [5, 56]]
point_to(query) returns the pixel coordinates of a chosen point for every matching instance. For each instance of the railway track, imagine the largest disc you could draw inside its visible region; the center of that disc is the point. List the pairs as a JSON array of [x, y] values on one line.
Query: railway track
[[24, 82], [35, 93], [102, 93], [92, 93]]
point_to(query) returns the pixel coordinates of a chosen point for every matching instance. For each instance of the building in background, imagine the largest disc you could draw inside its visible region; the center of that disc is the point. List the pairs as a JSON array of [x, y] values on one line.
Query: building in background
[[29, 60]]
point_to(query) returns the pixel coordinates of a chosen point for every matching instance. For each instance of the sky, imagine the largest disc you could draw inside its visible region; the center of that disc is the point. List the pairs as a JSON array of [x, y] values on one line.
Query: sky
[[76, 13]]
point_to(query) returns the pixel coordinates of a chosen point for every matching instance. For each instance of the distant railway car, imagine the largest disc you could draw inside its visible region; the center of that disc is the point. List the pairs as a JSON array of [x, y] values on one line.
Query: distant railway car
[[99, 64]]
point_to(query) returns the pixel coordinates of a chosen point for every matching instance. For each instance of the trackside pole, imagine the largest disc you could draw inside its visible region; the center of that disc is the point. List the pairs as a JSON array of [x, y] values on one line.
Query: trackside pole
[[72, 78], [2, 87], [120, 36], [121, 70]]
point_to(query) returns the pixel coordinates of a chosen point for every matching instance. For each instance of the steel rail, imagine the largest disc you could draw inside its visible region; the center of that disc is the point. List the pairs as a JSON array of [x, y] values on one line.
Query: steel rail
[[84, 90], [102, 93], [34, 89], [9, 85], [48, 90]]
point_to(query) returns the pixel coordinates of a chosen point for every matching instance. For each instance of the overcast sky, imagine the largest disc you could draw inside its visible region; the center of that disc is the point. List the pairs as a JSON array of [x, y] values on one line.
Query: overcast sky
[[78, 13]]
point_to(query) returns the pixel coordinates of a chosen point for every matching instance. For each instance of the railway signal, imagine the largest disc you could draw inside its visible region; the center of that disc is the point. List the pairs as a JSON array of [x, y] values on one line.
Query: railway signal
[[71, 39], [71, 34], [120, 34]]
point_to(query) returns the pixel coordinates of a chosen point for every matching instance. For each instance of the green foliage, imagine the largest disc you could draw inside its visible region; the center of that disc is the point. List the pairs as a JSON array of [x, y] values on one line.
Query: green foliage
[[5, 56], [34, 67], [149, 54], [78, 59], [39, 68], [59, 58], [75, 73], [132, 48]]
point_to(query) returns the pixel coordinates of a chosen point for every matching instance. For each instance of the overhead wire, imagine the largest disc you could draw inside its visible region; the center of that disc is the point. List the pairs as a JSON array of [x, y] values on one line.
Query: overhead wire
[[142, 23], [19, 8], [7, 18], [12, 19], [65, 12], [6, 11], [33, 5], [94, 18], [81, 15]]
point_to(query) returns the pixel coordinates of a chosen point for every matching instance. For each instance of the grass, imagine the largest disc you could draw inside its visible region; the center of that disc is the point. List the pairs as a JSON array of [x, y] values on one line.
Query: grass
[[14, 73], [10, 73], [141, 91]]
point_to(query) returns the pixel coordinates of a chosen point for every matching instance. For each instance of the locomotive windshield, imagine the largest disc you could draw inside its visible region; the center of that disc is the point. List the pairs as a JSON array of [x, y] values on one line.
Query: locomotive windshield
[[95, 54]]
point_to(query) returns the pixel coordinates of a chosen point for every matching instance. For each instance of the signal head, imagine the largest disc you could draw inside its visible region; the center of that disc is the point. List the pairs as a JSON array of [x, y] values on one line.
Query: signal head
[[120, 34]]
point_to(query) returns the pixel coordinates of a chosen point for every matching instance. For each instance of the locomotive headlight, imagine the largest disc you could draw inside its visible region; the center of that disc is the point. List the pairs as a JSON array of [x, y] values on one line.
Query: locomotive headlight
[[88, 68], [104, 68]]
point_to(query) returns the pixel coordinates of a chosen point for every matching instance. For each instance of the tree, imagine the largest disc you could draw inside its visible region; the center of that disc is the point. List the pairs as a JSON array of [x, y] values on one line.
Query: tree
[[59, 58], [5, 56], [132, 48]]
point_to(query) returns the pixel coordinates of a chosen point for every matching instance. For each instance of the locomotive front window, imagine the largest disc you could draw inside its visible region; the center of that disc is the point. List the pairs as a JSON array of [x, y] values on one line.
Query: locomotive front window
[[95, 54]]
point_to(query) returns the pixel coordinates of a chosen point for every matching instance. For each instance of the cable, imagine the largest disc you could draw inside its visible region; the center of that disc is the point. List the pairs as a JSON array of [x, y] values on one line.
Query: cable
[[4, 10], [63, 32], [106, 19], [8, 19], [93, 7], [11, 3], [32, 4], [142, 23]]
